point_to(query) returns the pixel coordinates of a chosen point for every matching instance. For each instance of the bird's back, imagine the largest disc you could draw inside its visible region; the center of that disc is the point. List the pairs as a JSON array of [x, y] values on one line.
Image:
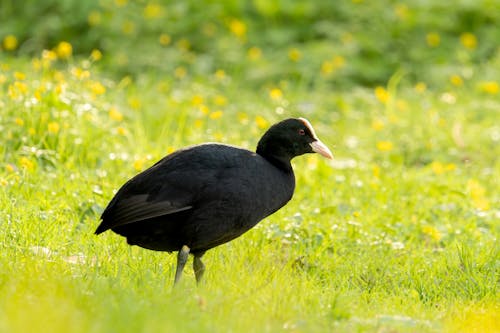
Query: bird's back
[[201, 197]]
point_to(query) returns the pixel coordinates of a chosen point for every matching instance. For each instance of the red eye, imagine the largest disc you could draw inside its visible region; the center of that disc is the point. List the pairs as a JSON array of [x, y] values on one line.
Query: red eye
[[302, 132]]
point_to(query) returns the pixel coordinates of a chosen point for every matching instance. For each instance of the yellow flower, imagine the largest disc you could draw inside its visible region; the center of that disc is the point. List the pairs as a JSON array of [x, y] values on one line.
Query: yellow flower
[[439, 168], [216, 114], [53, 127], [432, 232], [220, 74], [184, 44], [254, 53], [121, 3], [481, 203], [19, 121], [327, 67], [97, 88], [59, 88], [204, 109], [468, 40], [238, 28], [261, 122], [402, 105], [338, 61], [420, 87], [134, 103], [433, 39], [218, 136], [385, 146], [490, 87], [197, 100], [26, 163], [41, 89], [64, 50], [48, 56], [10, 168], [115, 114], [139, 164], [294, 54], [276, 94], [94, 18], [37, 64], [59, 76], [121, 131], [401, 11], [165, 39], [382, 94], [456, 80], [393, 119], [95, 55], [330, 66], [376, 171], [449, 167], [31, 131], [180, 72], [17, 90], [80, 73], [475, 189], [220, 100], [198, 123], [19, 76], [125, 81], [3, 78], [377, 124], [38, 94], [153, 10], [478, 195], [21, 86], [10, 42], [243, 118]]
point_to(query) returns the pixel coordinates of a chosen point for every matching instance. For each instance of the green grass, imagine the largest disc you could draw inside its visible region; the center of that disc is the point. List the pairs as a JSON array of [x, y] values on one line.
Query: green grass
[[398, 234]]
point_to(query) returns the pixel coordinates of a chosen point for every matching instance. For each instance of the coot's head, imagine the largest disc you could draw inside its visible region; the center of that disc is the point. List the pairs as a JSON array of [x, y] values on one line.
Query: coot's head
[[289, 138]]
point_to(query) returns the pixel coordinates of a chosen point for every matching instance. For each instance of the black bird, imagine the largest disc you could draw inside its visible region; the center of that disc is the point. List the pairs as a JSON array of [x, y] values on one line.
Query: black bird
[[203, 196]]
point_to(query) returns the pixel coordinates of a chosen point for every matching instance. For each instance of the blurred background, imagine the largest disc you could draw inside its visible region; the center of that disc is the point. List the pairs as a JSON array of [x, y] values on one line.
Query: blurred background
[[342, 43]]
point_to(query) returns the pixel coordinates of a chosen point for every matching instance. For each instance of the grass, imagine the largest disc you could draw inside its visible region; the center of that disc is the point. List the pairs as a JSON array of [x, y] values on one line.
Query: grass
[[399, 233]]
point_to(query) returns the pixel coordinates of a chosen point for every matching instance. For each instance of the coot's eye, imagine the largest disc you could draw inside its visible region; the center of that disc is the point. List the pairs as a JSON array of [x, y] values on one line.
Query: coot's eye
[[302, 132]]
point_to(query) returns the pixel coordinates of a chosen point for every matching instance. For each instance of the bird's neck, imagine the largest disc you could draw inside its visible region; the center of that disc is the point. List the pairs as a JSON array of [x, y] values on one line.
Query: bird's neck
[[281, 161]]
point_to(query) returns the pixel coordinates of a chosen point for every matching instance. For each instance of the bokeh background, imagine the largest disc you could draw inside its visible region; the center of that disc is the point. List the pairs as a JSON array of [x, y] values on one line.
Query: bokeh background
[[344, 43]]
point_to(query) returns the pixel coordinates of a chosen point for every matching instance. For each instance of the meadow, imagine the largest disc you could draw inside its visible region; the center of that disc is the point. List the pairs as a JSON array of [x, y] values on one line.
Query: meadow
[[398, 233]]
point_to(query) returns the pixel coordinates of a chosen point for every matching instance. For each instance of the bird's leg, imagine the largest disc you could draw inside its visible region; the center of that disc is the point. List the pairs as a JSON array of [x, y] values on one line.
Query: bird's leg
[[198, 267], [182, 258]]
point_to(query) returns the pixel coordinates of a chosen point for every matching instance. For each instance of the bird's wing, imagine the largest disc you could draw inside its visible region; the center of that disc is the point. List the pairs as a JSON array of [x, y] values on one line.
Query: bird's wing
[[144, 197], [138, 208]]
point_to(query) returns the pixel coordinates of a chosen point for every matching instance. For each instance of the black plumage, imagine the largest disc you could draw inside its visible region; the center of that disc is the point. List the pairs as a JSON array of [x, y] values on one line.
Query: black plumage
[[202, 196]]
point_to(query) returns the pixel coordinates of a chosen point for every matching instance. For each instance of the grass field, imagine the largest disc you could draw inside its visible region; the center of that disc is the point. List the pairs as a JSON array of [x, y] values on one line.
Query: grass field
[[399, 233]]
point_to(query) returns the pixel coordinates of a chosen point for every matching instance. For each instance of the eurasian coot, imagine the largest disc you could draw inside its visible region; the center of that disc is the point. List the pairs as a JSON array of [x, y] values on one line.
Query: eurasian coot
[[202, 196]]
